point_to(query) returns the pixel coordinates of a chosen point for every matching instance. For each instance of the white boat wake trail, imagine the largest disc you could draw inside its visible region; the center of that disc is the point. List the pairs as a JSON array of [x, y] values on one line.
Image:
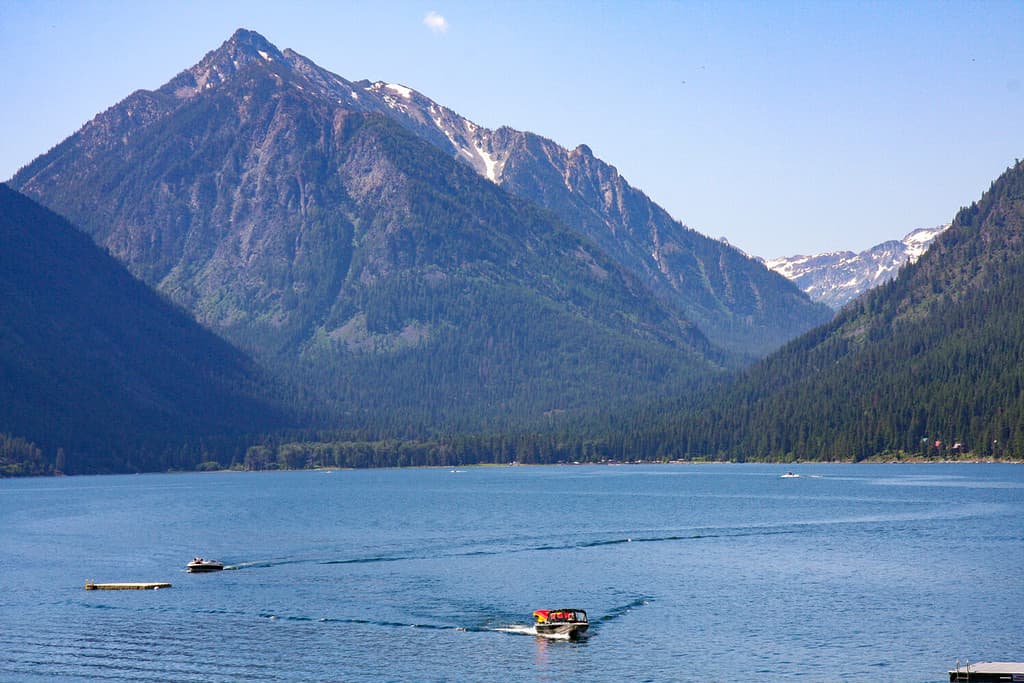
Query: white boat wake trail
[[523, 630]]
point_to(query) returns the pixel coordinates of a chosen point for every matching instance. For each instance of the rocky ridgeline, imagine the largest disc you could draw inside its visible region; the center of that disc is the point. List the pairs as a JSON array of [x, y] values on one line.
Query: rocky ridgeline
[[837, 278]]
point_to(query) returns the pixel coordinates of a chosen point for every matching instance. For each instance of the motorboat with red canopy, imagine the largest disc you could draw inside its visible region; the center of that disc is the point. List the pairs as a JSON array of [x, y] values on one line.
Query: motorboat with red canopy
[[568, 623]]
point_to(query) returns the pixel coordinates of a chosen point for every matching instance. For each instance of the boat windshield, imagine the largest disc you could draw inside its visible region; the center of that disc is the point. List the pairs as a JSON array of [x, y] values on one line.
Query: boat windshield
[[560, 616]]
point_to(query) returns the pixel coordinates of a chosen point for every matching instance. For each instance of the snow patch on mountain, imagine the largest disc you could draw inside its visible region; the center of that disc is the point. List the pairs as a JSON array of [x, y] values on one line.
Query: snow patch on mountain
[[838, 277], [400, 89], [490, 164]]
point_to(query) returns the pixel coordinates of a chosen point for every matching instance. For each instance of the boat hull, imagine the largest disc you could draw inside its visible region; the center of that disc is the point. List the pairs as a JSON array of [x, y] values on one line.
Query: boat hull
[[204, 567], [562, 630]]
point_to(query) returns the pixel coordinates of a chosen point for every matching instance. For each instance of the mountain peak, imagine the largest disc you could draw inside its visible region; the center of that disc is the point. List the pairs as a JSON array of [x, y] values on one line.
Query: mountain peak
[[243, 49], [244, 37], [245, 46]]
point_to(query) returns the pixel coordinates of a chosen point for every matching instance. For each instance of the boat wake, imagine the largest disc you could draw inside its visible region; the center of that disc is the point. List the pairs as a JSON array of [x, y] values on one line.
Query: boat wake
[[582, 545], [261, 564], [524, 630], [695, 536], [516, 629], [689, 535], [617, 612], [367, 560], [491, 625], [362, 622]]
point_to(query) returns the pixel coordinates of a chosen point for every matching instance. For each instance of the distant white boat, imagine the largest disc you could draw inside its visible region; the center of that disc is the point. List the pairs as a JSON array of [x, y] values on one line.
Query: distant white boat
[[200, 565], [790, 475]]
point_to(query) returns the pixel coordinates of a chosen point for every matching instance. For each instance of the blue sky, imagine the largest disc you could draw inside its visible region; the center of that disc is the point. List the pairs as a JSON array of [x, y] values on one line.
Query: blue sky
[[786, 127]]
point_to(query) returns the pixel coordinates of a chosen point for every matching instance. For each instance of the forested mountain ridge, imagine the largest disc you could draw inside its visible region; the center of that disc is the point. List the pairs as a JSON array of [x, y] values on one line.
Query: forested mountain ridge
[[930, 364], [97, 367], [396, 285]]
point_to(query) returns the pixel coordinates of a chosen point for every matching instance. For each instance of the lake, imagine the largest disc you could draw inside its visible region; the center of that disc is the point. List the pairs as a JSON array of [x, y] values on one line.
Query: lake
[[688, 573]]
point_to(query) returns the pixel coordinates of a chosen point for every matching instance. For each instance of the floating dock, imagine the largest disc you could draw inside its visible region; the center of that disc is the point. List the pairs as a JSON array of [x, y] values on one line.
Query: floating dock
[[988, 672], [92, 586]]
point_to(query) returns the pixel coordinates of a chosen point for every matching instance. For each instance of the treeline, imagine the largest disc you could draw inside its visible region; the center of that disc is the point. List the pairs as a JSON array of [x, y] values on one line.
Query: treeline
[[278, 452], [22, 458], [497, 449]]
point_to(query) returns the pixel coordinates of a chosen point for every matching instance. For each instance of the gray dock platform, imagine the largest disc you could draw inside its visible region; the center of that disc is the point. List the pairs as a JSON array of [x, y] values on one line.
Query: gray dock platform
[[92, 586], [988, 672]]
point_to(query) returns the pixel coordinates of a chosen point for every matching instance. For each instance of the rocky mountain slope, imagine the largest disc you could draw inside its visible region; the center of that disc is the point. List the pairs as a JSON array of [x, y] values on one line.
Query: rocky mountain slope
[[733, 300], [96, 364], [390, 280], [837, 278]]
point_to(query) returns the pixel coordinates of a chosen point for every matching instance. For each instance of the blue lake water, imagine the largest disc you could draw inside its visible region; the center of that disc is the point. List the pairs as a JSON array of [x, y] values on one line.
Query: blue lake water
[[688, 573]]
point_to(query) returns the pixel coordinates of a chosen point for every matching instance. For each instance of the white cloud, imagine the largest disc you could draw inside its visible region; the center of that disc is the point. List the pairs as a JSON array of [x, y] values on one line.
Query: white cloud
[[435, 22]]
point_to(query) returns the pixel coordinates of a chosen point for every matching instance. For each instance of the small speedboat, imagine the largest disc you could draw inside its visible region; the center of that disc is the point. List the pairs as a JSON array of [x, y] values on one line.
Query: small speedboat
[[790, 475], [566, 623], [199, 565]]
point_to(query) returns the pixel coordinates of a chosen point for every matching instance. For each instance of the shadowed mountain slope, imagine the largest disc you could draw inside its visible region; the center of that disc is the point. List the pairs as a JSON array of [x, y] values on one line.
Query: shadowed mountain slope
[[94, 362]]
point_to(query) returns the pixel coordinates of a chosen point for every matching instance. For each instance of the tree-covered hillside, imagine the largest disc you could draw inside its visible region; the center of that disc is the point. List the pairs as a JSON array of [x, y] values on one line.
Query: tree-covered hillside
[[930, 364], [97, 371]]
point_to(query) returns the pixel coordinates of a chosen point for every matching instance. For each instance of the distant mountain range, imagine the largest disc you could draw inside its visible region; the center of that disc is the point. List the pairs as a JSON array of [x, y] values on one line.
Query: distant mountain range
[[838, 277], [397, 261]]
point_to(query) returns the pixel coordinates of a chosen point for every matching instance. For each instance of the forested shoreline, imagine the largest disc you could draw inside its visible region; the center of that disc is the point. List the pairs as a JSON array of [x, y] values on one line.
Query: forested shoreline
[[19, 457]]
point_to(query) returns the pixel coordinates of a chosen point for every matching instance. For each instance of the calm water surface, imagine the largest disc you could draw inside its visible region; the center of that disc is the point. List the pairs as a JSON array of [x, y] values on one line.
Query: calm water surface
[[688, 572]]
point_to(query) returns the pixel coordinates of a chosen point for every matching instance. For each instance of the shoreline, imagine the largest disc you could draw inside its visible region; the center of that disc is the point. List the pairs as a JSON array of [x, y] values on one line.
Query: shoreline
[[874, 460]]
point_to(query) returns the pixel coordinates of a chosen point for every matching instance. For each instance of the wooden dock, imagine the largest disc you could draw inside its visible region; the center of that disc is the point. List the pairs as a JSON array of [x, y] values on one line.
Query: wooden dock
[[92, 586], [988, 672]]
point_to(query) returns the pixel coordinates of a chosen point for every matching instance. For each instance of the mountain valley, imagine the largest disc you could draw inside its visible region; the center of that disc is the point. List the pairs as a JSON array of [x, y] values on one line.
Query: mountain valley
[[378, 280]]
